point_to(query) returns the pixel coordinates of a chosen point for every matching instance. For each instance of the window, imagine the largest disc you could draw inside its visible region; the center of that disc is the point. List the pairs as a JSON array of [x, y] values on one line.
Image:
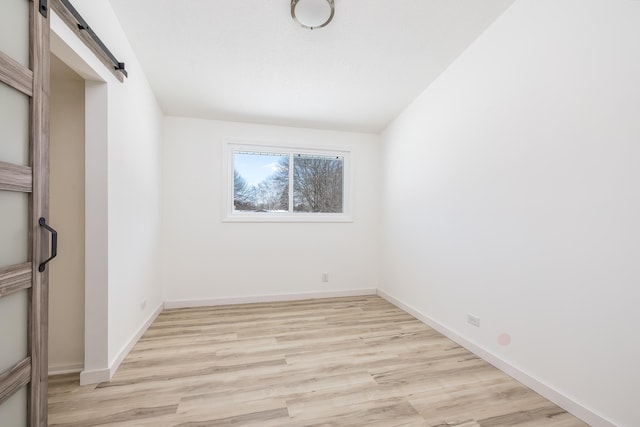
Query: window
[[276, 183]]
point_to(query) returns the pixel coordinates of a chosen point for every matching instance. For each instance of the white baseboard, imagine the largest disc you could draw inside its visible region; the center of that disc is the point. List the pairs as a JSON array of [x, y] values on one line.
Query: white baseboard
[[94, 376], [533, 383], [124, 351], [72, 368], [571, 406], [102, 375], [267, 298]]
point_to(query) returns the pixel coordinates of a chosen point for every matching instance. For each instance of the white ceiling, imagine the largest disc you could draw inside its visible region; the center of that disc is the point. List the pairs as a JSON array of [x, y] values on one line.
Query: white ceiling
[[247, 60]]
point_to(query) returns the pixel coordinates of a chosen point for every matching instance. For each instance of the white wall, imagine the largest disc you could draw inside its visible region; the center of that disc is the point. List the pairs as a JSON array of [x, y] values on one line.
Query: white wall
[[66, 274], [207, 259], [135, 145], [123, 191], [511, 192]]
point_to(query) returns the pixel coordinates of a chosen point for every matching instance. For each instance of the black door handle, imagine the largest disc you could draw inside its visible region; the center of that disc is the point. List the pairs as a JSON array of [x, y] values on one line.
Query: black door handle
[[54, 243]]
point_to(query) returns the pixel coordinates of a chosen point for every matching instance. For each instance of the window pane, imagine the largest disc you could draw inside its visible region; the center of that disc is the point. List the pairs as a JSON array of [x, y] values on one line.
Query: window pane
[[318, 183], [14, 126], [13, 412], [14, 332], [14, 30], [14, 228], [260, 182]]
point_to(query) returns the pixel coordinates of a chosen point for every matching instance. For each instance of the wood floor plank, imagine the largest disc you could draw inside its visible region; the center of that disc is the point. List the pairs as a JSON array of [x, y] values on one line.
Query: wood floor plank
[[355, 361], [128, 415], [392, 412]]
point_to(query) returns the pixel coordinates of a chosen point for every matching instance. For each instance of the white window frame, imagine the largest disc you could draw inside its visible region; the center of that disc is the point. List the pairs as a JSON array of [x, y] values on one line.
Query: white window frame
[[229, 147]]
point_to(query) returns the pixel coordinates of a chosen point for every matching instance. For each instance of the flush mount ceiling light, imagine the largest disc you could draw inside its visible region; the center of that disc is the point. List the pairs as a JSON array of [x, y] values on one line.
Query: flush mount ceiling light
[[312, 14]]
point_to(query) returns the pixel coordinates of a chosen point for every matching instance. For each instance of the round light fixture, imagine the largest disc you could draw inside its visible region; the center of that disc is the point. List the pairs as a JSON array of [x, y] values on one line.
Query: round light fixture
[[312, 14]]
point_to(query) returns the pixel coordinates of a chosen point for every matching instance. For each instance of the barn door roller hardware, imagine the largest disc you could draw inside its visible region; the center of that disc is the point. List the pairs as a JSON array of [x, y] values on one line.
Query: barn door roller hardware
[[83, 26], [43, 7]]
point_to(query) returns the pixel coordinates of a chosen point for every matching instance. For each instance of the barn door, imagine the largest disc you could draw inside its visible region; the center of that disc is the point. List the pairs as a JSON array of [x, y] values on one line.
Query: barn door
[[24, 238]]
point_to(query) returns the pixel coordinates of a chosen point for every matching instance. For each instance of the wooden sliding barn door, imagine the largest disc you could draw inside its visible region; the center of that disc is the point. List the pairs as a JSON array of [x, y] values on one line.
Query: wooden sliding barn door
[[24, 192]]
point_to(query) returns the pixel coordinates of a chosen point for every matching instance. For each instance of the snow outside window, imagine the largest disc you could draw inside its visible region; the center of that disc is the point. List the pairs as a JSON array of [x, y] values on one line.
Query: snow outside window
[[272, 183]]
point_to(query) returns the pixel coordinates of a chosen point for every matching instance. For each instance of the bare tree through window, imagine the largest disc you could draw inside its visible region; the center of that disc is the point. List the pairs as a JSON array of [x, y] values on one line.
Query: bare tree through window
[[317, 183], [264, 182]]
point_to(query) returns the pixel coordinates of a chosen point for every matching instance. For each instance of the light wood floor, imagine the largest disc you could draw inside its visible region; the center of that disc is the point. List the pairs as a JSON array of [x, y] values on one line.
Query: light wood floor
[[334, 362]]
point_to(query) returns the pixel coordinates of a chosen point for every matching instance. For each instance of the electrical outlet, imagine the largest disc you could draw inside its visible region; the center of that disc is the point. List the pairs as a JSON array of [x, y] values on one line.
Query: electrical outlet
[[325, 277], [473, 320]]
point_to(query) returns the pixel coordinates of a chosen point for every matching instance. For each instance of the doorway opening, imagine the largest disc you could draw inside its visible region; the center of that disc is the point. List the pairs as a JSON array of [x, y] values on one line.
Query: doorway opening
[[67, 204]]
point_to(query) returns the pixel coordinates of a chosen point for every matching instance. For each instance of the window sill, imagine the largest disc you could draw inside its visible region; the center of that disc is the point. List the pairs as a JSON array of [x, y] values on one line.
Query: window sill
[[287, 218]]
